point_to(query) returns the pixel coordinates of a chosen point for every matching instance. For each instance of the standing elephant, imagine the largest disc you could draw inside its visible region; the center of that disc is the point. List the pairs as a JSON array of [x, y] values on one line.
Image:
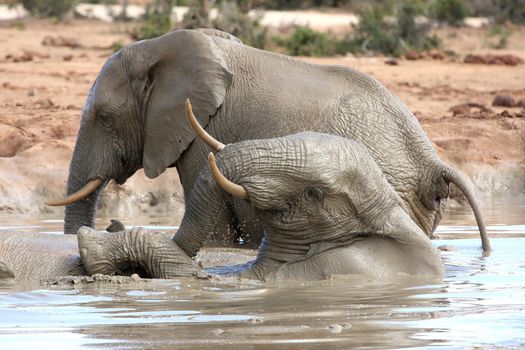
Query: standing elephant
[[323, 203], [133, 118]]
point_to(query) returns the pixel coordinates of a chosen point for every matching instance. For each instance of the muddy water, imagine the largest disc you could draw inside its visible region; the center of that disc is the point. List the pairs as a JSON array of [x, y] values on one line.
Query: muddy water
[[480, 303]]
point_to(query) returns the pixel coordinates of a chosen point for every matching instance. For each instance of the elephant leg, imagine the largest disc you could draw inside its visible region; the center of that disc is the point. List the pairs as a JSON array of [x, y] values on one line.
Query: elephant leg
[[153, 252]]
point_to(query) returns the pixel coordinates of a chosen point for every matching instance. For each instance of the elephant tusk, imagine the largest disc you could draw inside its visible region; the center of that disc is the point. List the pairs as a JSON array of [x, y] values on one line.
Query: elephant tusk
[[75, 197], [203, 135], [230, 187]]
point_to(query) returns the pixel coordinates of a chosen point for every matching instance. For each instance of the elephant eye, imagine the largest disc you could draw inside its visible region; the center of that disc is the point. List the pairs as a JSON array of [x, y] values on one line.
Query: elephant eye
[[314, 194], [106, 120]]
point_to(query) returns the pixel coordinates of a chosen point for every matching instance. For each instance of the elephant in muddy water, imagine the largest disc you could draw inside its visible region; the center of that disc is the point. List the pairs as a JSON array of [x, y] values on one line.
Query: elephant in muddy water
[[133, 118], [325, 206], [327, 212]]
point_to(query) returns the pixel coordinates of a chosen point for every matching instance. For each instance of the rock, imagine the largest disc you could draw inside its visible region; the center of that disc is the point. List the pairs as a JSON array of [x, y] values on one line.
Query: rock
[[520, 103], [463, 109], [507, 114], [36, 54], [471, 109], [503, 101], [45, 103], [392, 62], [509, 60], [412, 55], [25, 57], [437, 55], [60, 41]]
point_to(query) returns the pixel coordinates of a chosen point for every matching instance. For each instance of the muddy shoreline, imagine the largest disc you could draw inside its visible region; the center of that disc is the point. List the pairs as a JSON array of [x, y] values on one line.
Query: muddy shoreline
[[47, 70]]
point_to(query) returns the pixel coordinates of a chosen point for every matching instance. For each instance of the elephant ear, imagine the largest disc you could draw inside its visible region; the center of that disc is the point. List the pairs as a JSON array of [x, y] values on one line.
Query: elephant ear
[[188, 65]]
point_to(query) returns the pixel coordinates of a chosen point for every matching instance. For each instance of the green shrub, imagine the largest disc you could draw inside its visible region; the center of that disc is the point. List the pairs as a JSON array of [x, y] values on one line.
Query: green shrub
[[452, 12], [375, 34], [156, 22], [305, 41], [512, 10], [412, 35], [117, 45], [197, 16], [236, 22], [501, 35], [49, 8], [500, 10]]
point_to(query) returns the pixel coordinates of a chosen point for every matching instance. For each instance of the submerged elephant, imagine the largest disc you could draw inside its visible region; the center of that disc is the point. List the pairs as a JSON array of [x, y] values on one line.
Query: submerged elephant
[[133, 118], [324, 204]]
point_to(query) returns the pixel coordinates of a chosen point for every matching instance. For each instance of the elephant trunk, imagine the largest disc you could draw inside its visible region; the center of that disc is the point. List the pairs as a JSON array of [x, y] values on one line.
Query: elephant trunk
[[207, 198], [153, 252], [82, 212], [453, 176], [204, 204]]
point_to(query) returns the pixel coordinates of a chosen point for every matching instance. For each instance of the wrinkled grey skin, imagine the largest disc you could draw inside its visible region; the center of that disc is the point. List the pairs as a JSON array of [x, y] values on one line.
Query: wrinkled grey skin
[[33, 256], [134, 118], [325, 206]]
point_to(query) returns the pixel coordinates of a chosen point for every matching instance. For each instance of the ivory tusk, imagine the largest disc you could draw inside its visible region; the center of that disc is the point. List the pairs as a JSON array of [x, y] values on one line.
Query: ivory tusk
[[75, 197], [230, 187], [203, 135]]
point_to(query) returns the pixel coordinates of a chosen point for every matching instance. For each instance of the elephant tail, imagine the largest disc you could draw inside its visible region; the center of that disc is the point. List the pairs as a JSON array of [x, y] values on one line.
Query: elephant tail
[[453, 176]]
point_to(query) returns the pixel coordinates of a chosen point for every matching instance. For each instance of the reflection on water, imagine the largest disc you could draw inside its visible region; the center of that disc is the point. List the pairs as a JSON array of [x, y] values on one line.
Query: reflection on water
[[480, 303]]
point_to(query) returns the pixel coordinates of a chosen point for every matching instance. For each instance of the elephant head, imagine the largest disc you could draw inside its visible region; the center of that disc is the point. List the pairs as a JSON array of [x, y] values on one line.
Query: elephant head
[[130, 117], [319, 197]]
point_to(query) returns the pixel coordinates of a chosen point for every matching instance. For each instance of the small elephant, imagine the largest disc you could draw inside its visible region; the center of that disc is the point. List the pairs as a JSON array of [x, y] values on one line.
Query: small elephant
[[133, 119], [324, 204]]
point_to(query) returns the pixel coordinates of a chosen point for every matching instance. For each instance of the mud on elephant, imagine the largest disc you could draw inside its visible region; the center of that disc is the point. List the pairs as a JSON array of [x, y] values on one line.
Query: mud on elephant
[[325, 206], [133, 118]]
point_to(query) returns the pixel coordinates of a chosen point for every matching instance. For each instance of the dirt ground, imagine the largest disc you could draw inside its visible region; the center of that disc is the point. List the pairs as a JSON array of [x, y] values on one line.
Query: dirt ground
[[44, 81]]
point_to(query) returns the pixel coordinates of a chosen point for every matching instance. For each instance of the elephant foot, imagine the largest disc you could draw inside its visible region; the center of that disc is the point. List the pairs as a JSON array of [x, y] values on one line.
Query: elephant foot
[[152, 252]]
